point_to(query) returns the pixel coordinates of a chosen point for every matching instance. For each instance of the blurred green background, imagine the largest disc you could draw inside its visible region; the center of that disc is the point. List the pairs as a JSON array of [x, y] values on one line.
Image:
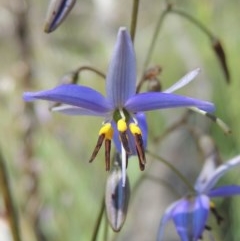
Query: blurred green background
[[58, 194]]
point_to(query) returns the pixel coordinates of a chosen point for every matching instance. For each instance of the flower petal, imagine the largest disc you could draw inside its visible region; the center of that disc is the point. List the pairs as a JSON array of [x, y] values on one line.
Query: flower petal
[[152, 101], [212, 160], [116, 137], [225, 191], [57, 12], [186, 79], [121, 76], [190, 217], [165, 218], [76, 95], [219, 172], [74, 110]]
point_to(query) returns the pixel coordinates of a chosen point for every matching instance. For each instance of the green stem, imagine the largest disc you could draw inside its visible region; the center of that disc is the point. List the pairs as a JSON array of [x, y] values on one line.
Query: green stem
[[92, 69], [156, 180], [106, 225], [98, 221], [8, 200], [175, 170], [194, 21], [134, 18], [155, 36]]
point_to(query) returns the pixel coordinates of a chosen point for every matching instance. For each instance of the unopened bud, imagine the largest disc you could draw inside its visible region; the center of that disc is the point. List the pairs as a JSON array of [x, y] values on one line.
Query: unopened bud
[[116, 197], [220, 53], [57, 12]]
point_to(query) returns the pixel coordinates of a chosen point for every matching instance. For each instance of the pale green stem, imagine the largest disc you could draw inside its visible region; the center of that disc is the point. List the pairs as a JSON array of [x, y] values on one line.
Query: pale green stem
[[98, 221], [154, 38], [134, 18], [156, 180], [8, 200], [194, 21], [175, 170], [106, 228], [92, 69]]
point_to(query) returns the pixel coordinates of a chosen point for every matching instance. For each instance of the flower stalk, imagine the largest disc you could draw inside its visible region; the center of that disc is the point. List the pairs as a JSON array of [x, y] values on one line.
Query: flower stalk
[[134, 19], [8, 200]]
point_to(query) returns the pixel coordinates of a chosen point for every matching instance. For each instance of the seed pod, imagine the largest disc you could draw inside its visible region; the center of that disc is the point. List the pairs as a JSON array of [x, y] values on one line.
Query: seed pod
[[220, 53], [57, 12], [116, 196]]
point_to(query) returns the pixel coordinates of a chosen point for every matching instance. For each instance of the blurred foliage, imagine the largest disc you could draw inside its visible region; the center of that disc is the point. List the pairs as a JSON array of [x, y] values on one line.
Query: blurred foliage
[[69, 190]]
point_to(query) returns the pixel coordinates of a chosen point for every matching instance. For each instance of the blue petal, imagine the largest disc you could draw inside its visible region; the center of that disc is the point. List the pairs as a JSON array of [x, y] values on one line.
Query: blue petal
[[165, 218], [74, 110], [121, 76], [186, 79], [190, 217], [217, 174], [116, 137], [57, 12], [76, 95], [152, 101], [225, 191], [210, 165]]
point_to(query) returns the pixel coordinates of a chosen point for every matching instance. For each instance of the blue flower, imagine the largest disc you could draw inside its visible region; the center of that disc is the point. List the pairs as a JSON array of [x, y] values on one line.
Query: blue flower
[[190, 214], [122, 108]]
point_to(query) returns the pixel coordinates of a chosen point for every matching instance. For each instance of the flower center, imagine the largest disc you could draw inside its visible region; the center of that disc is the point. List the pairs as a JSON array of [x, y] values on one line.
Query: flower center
[[128, 130]]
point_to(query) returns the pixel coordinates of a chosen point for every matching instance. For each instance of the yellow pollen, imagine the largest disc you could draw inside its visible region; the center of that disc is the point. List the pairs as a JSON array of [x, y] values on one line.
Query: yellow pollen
[[122, 125], [212, 205], [107, 130], [135, 129]]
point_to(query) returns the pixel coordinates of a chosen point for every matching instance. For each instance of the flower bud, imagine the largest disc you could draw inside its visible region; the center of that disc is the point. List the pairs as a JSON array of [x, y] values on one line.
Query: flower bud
[[57, 12], [220, 53], [116, 196]]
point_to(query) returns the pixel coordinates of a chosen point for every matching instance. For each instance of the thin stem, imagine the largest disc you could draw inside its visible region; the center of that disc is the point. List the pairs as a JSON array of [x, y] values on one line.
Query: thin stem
[[155, 36], [8, 201], [156, 180], [194, 21], [92, 69], [98, 221], [173, 127], [134, 18], [175, 170], [106, 229]]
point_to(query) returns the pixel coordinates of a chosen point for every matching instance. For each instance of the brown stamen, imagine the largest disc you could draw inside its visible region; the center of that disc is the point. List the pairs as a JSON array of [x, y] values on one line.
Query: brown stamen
[[140, 148], [124, 140], [208, 228], [97, 147], [107, 153], [141, 165], [218, 217]]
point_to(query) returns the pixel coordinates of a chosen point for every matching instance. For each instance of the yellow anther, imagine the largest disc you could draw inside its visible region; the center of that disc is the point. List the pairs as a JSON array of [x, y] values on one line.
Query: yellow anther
[[107, 131], [212, 205], [122, 125], [134, 128]]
